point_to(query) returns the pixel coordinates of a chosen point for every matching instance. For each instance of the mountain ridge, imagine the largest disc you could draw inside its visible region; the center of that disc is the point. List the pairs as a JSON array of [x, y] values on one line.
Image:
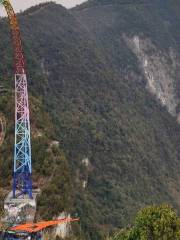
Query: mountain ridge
[[118, 139]]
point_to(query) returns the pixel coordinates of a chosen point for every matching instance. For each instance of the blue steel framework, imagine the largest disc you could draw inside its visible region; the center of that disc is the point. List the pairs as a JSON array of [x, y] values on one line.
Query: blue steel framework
[[22, 172]]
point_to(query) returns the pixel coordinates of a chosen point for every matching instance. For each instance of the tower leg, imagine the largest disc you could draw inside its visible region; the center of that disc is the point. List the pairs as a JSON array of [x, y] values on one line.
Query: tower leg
[[14, 186], [22, 184]]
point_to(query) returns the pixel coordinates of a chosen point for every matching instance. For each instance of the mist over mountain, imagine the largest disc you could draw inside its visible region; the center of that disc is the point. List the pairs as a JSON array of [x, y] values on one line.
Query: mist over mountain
[[105, 108]]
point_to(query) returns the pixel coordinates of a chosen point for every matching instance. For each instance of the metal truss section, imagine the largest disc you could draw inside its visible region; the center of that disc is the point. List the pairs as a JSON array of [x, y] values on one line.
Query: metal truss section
[[22, 183], [22, 151]]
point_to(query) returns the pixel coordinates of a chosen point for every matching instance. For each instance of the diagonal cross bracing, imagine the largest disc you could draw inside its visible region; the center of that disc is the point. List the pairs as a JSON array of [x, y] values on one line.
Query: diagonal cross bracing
[[22, 170]]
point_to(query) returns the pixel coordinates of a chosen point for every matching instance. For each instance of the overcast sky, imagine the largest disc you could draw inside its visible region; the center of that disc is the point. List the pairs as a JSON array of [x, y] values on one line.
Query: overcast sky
[[23, 4]]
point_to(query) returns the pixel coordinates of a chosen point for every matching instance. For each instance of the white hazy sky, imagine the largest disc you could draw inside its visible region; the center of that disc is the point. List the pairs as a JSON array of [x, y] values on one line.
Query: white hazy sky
[[23, 4]]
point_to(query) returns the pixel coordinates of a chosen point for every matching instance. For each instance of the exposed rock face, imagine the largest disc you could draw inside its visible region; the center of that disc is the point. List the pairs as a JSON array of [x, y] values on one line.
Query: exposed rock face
[[63, 230], [159, 69], [86, 162]]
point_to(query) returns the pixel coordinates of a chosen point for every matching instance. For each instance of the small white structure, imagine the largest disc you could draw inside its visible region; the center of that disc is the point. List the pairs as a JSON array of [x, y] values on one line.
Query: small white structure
[[20, 210]]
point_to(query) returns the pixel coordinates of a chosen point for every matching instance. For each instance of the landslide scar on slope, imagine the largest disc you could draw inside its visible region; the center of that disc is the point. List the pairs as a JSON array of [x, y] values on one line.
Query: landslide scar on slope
[[159, 70]]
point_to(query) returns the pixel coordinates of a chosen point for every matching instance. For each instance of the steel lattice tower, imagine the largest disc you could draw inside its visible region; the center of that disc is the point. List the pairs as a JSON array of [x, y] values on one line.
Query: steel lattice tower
[[22, 183]]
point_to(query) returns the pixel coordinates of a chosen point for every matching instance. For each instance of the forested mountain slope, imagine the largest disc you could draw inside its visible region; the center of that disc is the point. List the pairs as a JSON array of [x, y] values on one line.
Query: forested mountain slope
[[107, 76]]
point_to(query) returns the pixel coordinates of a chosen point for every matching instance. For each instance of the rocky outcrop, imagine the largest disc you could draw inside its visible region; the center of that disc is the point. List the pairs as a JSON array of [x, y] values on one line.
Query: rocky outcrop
[[160, 69], [63, 230]]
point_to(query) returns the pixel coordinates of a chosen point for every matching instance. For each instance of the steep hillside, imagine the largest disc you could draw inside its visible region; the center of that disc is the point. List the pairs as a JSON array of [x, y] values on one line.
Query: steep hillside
[[107, 76], [150, 30]]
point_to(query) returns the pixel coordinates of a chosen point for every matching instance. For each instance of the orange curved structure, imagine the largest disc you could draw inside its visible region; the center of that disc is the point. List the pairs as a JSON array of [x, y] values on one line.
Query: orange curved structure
[[37, 227]]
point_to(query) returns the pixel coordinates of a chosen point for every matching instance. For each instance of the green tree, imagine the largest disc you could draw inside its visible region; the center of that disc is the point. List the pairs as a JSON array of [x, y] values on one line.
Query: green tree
[[153, 223]]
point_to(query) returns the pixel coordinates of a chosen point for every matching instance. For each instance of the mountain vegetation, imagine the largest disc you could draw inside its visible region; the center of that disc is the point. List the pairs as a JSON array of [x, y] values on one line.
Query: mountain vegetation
[[155, 222], [103, 145]]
